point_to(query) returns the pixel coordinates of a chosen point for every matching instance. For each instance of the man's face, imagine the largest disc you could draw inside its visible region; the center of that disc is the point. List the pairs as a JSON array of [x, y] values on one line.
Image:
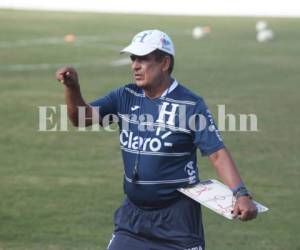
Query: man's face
[[147, 72]]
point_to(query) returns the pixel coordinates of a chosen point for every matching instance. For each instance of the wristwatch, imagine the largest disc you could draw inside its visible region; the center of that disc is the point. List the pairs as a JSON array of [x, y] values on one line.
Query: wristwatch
[[242, 191]]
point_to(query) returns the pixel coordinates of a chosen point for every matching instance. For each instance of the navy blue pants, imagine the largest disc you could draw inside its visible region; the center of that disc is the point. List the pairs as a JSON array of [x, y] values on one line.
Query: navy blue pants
[[175, 227]]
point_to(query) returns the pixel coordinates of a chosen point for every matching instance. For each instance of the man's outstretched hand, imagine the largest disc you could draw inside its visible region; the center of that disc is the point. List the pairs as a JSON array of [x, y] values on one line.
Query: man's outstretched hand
[[67, 76], [244, 209]]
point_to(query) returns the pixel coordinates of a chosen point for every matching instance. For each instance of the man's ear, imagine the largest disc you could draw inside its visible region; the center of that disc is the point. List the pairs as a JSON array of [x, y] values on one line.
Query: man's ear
[[166, 62]]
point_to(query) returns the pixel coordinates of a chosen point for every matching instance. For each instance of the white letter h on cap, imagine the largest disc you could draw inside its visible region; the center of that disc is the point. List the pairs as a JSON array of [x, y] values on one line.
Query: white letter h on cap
[[163, 112], [141, 36]]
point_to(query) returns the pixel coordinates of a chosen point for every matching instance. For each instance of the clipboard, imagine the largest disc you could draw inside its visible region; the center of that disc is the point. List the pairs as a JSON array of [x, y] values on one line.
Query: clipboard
[[216, 196]]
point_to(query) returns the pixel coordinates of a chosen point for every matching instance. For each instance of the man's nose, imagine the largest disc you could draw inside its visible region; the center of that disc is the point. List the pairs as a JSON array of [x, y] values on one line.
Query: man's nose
[[135, 64]]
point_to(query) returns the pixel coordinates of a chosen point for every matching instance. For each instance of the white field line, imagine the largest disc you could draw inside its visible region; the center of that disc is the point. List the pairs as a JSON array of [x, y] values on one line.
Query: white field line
[[121, 62], [34, 67], [79, 41], [88, 41], [53, 66], [97, 41]]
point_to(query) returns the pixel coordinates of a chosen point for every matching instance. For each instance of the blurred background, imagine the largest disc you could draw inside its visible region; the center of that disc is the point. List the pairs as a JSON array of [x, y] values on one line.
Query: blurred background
[[59, 190]]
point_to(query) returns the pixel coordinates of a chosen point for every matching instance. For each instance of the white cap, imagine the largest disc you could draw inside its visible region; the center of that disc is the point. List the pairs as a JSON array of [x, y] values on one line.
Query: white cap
[[147, 41]]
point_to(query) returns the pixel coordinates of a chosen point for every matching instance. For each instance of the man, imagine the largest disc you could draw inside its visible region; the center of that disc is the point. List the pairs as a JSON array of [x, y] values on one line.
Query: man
[[160, 158]]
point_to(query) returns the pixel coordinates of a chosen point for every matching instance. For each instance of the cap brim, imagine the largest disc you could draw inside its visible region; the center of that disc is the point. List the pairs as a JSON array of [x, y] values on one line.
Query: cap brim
[[138, 49]]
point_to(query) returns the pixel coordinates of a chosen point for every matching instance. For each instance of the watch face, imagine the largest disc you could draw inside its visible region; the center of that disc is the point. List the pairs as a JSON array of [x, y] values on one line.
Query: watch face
[[244, 193]]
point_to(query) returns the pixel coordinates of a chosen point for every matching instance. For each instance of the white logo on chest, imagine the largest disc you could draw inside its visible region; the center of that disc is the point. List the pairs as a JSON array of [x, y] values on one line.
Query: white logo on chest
[[154, 144], [171, 113], [136, 107]]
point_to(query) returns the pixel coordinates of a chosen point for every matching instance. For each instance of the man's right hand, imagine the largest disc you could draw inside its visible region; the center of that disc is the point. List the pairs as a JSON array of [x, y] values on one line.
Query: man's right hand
[[67, 76]]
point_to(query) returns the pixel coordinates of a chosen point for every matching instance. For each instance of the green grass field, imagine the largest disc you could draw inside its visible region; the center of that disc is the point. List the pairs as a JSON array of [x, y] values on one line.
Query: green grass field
[[58, 190]]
